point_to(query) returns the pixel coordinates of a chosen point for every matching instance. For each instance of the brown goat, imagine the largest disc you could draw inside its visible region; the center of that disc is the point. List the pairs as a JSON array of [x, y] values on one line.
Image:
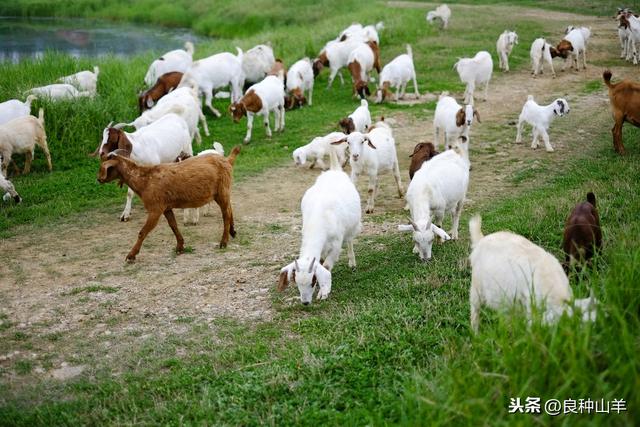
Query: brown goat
[[624, 97], [422, 152], [582, 234], [376, 55], [191, 183], [165, 84]]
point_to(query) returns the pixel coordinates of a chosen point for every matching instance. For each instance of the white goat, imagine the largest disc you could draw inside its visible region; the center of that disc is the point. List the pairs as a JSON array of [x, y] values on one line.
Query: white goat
[[397, 73], [633, 36], [504, 46], [257, 62], [540, 52], [438, 187], [192, 216], [335, 54], [59, 92], [540, 117], [331, 216], [217, 71], [261, 99], [570, 48], [163, 141], [474, 72], [442, 12], [14, 108], [183, 102], [373, 153], [7, 187], [299, 80], [357, 31], [175, 60], [21, 135], [454, 120], [586, 32], [358, 121], [86, 81], [318, 148], [508, 270]]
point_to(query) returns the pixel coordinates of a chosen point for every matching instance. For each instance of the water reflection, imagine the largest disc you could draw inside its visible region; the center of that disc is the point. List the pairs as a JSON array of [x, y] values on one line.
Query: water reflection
[[79, 37]]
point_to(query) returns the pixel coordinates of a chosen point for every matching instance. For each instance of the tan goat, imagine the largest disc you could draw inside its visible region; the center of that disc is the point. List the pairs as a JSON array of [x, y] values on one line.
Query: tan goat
[[21, 135], [625, 105]]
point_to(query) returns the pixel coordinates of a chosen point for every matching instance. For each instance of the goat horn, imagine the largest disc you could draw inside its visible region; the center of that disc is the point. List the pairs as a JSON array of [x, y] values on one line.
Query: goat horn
[[109, 125], [311, 266]]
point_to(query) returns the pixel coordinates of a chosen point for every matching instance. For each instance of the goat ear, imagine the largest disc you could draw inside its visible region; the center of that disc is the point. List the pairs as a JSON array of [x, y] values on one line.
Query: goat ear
[[369, 143], [405, 227], [340, 141], [440, 232], [150, 102], [460, 117], [476, 115], [287, 274]]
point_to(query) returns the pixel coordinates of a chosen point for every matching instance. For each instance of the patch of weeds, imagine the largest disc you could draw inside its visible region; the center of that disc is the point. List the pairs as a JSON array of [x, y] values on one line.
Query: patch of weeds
[[184, 320], [20, 336], [53, 337], [93, 288], [592, 86], [275, 228], [23, 367]]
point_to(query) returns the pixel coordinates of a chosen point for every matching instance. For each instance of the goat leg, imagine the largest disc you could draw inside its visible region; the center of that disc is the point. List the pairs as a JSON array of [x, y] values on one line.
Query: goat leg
[[150, 224], [171, 219]]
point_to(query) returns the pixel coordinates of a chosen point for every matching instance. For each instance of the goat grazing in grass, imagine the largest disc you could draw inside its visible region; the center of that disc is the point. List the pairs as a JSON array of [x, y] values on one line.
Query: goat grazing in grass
[[582, 234]]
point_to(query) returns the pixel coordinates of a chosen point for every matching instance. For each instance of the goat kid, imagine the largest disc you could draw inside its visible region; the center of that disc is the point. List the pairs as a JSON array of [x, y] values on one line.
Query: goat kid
[[582, 235], [540, 118], [397, 73]]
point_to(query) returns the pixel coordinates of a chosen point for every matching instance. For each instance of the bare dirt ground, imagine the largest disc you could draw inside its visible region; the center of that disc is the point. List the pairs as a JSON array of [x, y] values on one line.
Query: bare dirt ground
[[70, 287]]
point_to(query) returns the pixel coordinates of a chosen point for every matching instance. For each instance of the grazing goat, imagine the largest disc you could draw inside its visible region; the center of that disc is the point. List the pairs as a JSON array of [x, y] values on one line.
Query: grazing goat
[[21, 135], [624, 97], [318, 148], [84, 80], [7, 187], [438, 187], [366, 34], [331, 216], [175, 60], [422, 152], [397, 73], [14, 108], [373, 153], [540, 117], [508, 270], [335, 55], [162, 141], [582, 234], [474, 72], [540, 52], [571, 46], [261, 99], [188, 184], [217, 71], [59, 92], [361, 61], [358, 121], [442, 12], [453, 120], [165, 84], [299, 80], [504, 46], [257, 62], [183, 102]]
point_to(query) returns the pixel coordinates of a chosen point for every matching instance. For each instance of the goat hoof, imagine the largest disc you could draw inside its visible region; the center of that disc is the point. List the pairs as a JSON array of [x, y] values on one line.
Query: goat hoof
[[124, 218], [180, 250], [369, 210], [223, 245], [130, 259]]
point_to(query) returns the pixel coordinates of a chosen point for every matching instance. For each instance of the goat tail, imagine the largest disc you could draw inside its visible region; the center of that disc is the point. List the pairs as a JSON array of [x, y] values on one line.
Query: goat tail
[[380, 26], [29, 100], [364, 103], [234, 154], [240, 54], [591, 198], [41, 116], [218, 147], [96, 70], [607, 77], [409, 51], [529, 97], [188, 46], [475, 229]]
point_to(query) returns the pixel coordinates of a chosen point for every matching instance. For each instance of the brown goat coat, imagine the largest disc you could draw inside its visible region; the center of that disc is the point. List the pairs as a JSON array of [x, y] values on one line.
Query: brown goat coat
[[165, 84], [376, 55], [249, 102], [191, 183], [422, 152], [320, 62], [116, 140], [582, 234], [563, 49], [624, 97], [347, 125]]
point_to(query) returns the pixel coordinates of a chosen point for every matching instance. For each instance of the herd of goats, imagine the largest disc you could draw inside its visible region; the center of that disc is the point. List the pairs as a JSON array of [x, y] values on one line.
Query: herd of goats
[[156, 161]]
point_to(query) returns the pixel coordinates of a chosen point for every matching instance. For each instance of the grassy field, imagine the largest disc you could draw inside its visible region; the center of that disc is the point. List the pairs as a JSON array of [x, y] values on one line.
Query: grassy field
[[392, 345]]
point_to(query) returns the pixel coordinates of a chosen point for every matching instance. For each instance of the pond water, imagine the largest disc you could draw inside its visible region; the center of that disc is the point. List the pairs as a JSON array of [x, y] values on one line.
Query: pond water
[[22, 37]]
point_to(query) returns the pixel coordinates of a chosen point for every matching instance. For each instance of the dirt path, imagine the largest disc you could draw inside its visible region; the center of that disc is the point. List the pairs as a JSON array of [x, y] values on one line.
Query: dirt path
[[69, 286]]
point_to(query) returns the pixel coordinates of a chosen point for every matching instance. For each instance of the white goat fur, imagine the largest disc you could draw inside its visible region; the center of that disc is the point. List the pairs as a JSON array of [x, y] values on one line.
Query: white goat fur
[[540, 117], [271, 93], [215, 72], [507, 270], [579, 44], [361, 117], [300, 76], [397, 74], [444, 120], [185, 103], [160, 142], [176, 60], [540, 52], [474, 72], [14, 108], [438, 187], [20, 136], [337, 53], [84, 80], [319, 148], [257, 62], [442, 12], [504, 46], [331, 216], [7, 186], [366, 33], [59, 92]]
